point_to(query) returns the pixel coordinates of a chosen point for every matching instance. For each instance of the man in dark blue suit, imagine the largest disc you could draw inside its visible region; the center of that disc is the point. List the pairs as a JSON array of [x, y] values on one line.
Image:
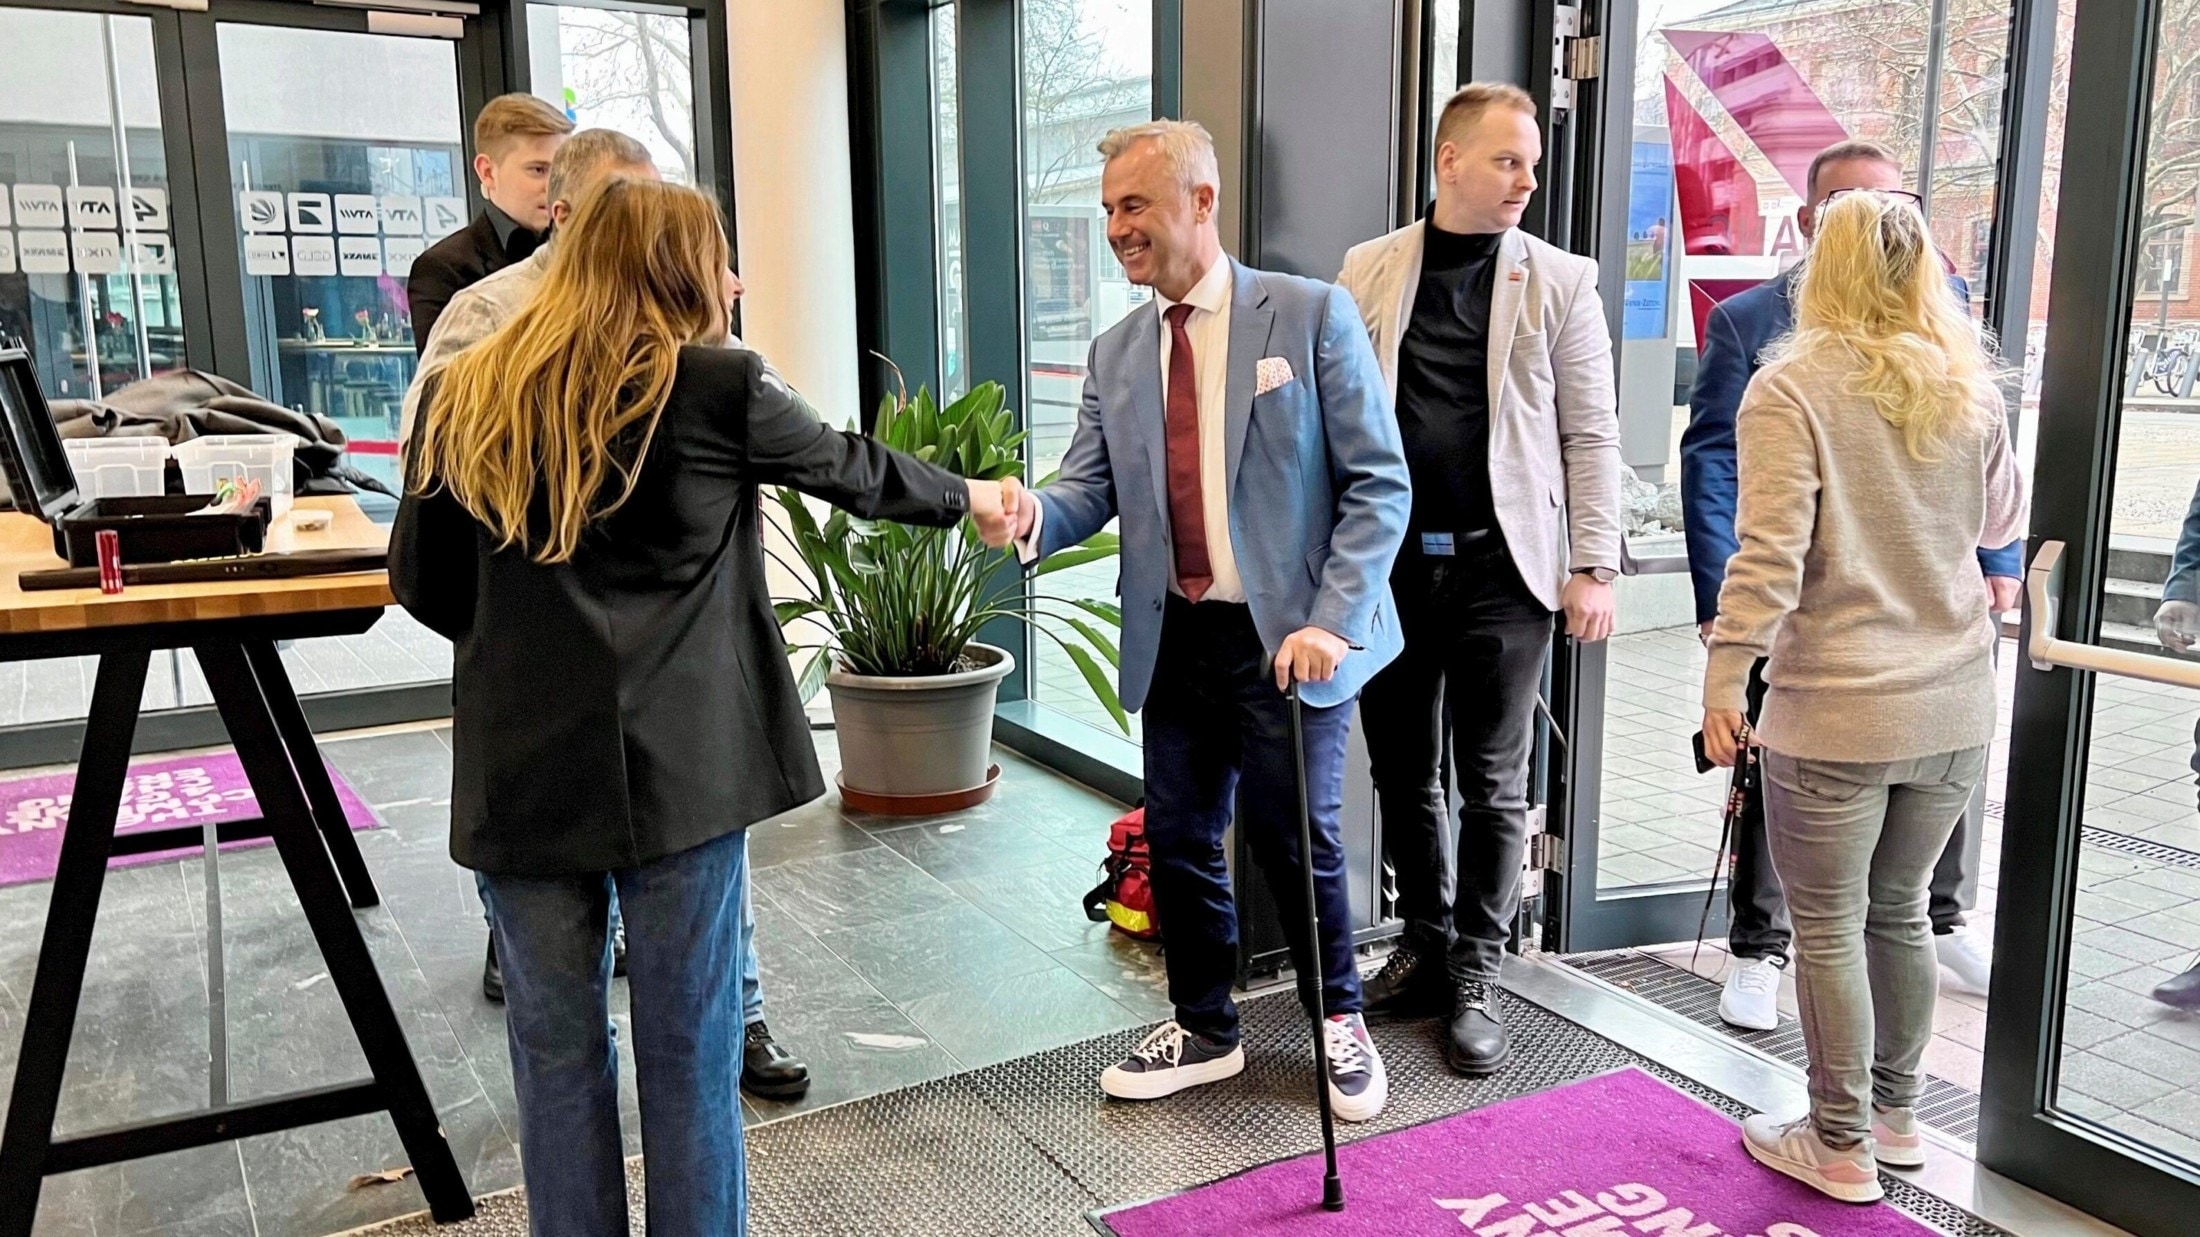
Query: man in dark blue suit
[[1735, 334], [2177, 626]]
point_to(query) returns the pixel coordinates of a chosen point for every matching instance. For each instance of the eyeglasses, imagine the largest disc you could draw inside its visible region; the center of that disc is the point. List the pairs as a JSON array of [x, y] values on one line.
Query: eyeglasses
[[1900, 195]]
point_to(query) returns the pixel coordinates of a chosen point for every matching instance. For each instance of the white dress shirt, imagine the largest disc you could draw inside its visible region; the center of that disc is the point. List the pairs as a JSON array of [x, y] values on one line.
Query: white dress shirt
[[1209, 331]]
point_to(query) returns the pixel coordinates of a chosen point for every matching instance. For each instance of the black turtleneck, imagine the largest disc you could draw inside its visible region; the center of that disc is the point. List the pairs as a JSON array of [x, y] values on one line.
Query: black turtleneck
[[1444, 383]]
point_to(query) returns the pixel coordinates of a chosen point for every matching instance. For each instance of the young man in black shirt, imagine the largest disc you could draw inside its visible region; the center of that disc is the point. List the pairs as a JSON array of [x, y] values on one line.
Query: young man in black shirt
[[1496, 349], [515, 138]]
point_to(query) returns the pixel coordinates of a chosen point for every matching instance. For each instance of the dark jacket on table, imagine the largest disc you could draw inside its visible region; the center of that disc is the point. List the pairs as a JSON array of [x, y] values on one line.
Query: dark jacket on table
[[636, 700], [457, 262]]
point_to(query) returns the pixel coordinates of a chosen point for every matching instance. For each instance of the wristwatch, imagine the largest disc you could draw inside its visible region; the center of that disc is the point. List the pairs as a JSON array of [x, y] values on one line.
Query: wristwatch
[[1602, 575]]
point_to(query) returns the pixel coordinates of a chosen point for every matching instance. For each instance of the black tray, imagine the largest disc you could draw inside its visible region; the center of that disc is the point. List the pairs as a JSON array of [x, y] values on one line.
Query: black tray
[[160, 530], [152, 530]]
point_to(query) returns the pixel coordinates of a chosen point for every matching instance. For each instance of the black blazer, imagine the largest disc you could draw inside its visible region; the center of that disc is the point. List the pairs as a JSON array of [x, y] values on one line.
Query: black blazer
[[455, 263], [636, 700]]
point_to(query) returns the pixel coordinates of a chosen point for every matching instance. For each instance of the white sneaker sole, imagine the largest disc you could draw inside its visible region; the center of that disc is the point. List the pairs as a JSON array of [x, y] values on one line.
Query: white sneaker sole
[[1368, 1104], [1122, 1084], [1894, 1155], [1808, 1174], [1750, 1020]]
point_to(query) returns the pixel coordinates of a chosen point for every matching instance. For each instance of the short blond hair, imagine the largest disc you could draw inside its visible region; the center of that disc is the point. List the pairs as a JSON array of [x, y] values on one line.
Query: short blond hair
[[1185, 146], [1466, 106], [509, 118]]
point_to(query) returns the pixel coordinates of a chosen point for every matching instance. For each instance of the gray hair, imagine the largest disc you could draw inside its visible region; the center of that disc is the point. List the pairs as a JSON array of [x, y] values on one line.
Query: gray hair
[[586, 156], [1855, 151], [1184, 144]]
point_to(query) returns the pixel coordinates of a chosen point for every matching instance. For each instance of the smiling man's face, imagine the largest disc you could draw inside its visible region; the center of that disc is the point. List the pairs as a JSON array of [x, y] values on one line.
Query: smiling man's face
[[1158, 227]]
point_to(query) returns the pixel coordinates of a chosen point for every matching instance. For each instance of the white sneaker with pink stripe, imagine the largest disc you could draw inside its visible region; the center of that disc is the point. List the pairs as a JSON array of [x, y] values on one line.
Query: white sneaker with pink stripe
[[1796, 1149]]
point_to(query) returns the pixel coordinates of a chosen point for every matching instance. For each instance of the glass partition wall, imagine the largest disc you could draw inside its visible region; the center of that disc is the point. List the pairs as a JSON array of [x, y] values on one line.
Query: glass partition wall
[[168, 203]]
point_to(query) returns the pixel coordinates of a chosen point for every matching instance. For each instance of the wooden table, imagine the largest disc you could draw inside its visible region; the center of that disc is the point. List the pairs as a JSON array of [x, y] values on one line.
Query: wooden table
[[233, 628]]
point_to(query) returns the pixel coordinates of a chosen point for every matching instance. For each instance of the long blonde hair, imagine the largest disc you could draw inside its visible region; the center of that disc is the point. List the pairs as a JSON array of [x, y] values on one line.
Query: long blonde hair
[[565, 396], [1872, 286]]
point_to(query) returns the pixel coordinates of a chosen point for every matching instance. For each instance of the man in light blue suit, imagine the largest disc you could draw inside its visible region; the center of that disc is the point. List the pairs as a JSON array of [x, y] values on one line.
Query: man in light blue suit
[[1241, 430]]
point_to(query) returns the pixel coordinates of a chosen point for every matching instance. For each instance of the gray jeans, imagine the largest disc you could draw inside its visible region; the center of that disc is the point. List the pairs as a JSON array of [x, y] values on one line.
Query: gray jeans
[[1855, 845]]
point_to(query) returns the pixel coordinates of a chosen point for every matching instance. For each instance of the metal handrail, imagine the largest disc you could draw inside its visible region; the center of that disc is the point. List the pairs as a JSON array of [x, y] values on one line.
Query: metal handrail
[[2043, 587], [1655, 565]]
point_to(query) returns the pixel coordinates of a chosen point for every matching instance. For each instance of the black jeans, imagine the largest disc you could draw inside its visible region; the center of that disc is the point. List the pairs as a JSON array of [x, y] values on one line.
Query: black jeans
[[1475, 637], [1757, 923], [1218, 734]]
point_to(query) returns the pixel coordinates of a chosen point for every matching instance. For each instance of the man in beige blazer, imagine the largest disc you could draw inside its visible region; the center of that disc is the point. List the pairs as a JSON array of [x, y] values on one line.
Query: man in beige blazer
[[1495, 348]]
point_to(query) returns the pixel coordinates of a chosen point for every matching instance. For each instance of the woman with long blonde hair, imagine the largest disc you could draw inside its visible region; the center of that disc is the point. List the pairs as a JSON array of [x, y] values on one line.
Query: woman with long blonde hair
[[582, 522], [1874, 461]]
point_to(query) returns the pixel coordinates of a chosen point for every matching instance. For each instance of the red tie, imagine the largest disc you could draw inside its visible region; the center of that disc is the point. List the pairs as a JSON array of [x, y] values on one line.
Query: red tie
[[1187, 510]]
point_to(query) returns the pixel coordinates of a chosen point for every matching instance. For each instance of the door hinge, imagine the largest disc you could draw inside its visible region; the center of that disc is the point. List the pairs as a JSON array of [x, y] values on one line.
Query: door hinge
[[1546, 851], [1584, 57], [1574, 56]]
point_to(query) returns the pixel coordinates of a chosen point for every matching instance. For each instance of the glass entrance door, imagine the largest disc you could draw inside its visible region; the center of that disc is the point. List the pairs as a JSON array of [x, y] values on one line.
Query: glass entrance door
[[343, 168], [2092, 1069], [87, 249], [1730, 105]]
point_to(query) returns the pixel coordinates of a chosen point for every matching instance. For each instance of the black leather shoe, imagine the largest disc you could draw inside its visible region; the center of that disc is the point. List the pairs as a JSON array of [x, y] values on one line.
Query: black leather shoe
[[618, 952], [1477, 1045], [769, 1070], [2181, 991], [492, 975], [1410, 985]]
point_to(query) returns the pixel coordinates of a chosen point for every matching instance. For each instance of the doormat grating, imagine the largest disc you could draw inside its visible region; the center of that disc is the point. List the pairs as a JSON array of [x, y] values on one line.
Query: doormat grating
[[2123, 843], [1030, 1147], [1944, 1105]]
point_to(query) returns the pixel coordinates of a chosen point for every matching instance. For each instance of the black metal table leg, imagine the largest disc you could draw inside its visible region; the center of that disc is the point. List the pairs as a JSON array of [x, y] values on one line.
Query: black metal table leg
[[305, 757], [51, 1018], [249, 715]]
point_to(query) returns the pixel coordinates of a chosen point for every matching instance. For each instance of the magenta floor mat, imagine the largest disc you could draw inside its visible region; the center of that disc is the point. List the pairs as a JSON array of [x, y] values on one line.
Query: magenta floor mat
[[191, 790], [1620, 1153]]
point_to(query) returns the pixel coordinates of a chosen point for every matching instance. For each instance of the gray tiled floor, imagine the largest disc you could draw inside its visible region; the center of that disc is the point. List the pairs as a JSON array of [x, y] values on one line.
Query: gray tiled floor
[[2128, 1061], [893, 952]]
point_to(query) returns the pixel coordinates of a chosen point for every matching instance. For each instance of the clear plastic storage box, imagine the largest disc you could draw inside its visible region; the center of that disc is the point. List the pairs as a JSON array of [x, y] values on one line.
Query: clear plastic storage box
[[118, 467], [209, 461]]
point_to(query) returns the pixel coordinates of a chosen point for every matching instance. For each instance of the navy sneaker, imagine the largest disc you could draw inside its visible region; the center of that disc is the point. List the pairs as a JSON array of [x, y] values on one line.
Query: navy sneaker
[[1358, 1084], [1170, 1060]]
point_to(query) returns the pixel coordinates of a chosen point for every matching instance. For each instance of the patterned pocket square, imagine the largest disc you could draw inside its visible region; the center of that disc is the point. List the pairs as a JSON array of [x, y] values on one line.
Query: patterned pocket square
[[1272, 372]]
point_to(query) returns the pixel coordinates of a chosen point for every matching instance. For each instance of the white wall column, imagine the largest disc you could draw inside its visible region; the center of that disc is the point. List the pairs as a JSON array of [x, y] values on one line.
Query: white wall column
[[794, 196]]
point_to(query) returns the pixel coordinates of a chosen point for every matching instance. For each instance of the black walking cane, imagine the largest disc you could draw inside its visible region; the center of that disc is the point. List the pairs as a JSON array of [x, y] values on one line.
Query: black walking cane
[[1332, 1185]]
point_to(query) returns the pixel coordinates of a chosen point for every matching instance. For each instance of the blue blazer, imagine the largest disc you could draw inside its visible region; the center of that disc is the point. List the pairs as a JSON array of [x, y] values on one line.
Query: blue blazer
[[1316, 473], [1736, 332], [2184, 566]]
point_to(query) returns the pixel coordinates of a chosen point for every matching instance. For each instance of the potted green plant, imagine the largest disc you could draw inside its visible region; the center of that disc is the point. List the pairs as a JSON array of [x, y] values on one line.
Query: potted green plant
[[890, 616]]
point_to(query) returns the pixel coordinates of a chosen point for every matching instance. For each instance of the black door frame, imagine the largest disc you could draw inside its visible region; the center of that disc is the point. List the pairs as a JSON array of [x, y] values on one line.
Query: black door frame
[[2022, 1135], [480, 72]]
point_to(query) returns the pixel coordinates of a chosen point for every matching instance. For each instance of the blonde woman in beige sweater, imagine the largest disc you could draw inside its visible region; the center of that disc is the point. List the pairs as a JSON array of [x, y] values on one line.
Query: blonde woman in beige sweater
[[1874, 461]]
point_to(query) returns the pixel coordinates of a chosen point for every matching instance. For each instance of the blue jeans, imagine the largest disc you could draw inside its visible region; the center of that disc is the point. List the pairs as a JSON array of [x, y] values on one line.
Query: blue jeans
[[684, 940], [752, 981], [1218, 746]]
